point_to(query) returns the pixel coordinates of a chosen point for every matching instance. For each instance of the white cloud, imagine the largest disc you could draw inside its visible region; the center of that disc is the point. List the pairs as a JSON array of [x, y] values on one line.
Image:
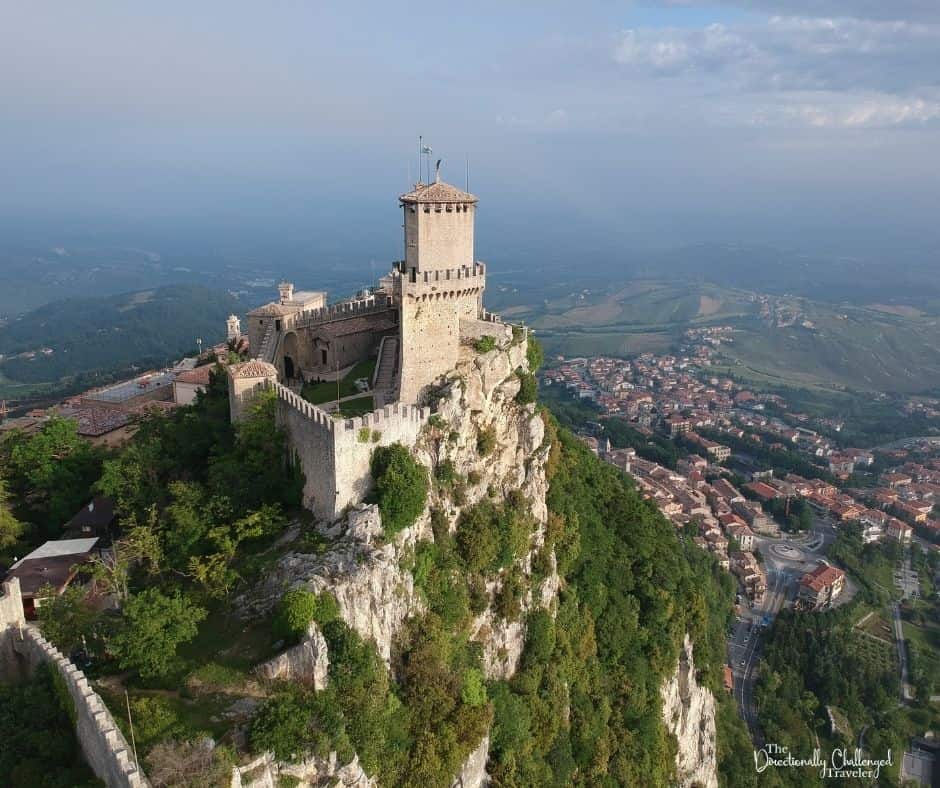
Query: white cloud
[[856, 72]]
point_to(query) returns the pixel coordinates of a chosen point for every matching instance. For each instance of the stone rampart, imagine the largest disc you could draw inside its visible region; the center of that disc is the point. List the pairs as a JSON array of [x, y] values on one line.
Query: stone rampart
[[102, 743], [12, 621], [334, 453], [340, 311]]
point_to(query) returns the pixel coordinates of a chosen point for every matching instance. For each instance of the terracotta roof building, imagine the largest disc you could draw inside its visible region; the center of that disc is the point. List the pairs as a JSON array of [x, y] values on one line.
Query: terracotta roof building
[[822, 586]]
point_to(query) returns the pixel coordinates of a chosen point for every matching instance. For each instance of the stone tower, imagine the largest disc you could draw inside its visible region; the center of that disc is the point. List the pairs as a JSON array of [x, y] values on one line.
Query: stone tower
[[245, 381], [233, 328], [437, 284]]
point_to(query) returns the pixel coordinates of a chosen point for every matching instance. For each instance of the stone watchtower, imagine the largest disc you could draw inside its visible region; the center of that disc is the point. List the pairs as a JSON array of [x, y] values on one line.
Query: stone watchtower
[[437, 284], [245, 381]]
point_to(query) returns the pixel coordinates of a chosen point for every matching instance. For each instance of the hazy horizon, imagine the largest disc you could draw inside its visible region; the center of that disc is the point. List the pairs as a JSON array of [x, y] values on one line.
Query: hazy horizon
[[600, 129]]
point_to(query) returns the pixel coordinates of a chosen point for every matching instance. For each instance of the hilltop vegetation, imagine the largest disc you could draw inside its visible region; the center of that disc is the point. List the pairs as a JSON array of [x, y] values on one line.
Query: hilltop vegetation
[[93, 339]]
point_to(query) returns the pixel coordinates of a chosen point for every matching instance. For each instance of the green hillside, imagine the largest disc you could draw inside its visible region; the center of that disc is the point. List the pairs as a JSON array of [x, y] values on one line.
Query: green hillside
[[778, 339], [91, 337]]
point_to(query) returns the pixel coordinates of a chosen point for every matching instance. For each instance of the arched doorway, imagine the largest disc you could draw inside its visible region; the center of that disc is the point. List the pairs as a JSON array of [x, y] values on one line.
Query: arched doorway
[[293, 356]]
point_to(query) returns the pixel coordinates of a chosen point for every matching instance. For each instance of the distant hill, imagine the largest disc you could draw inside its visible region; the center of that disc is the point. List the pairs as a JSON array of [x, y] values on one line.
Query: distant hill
[[780, 340], [92, 337]]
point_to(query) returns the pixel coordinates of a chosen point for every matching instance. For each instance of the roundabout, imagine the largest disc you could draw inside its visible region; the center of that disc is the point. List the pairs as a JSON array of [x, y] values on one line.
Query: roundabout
[[787, 552]]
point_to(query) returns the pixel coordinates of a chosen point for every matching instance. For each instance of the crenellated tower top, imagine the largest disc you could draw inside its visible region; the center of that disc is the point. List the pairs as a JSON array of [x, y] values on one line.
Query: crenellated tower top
[[438, 221]]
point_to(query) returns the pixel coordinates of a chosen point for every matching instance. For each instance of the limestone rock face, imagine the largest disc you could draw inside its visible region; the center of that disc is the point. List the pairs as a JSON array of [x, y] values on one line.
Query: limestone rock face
[[473, 774], [306, 662], [481, 401], [266, 772], [374, 593], [689, 714]]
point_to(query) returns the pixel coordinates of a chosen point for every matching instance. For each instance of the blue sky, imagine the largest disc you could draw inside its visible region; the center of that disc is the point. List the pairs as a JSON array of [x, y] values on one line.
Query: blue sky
[[808, 122]]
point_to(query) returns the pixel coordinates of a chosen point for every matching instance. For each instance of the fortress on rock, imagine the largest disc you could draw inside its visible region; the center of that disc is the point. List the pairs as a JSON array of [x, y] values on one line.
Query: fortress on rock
[[411, 326]]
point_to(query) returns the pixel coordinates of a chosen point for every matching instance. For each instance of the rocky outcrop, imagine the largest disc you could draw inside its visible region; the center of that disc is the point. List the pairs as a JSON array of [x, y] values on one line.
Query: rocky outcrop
[[374, 593], [307, 662], [473, 774], [689, 714], [267, 772], [480, 400]]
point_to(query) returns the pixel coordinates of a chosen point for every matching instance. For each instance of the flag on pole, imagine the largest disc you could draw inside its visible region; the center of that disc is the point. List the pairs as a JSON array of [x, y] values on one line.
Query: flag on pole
[[426, 150]]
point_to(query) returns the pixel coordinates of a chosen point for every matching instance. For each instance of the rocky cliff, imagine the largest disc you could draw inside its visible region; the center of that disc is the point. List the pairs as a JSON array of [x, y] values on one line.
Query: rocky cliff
[[495, 446], [689, 713]]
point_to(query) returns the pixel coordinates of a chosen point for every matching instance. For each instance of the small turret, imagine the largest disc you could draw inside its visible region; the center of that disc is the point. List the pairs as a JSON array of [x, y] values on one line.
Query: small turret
[[233, 328], [286, 289]]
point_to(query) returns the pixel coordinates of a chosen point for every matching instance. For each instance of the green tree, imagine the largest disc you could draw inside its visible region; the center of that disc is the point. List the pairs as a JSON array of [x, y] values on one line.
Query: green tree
[[140, 545], [135, 479], [55, 467], [65, 618], [11, 529], [401, 487], [155, 625], [259, 453]]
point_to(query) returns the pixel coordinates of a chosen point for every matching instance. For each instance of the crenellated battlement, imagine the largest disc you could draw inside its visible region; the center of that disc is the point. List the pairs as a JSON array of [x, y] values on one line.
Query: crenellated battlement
[[335, 453], [341, 311], [389, 416], [308, 409], [103, 745], [467, 275]]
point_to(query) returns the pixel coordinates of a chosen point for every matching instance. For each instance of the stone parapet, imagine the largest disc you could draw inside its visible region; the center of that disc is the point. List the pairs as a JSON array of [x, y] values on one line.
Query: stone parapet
[[340, 311], [103, 745], [308, 409]]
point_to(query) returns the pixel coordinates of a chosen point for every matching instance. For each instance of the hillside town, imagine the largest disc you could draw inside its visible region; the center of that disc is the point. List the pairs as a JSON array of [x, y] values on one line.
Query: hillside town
[[725, 430]]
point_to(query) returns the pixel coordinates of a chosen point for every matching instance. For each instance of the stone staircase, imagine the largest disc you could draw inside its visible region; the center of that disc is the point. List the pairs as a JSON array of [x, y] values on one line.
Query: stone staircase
[[386, 372], [268, 344]]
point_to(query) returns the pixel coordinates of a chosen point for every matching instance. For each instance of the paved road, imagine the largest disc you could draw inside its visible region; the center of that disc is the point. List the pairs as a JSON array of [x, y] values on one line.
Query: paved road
[[903, 580], [785, 560]]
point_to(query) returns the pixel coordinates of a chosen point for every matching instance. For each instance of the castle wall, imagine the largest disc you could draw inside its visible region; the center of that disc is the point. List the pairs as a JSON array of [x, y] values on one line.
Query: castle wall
[[11, 620], [430, 339], [334, 454], [102, 744], [310, 437], [353, 451], [255, 328], [475, 328], [438, 237]]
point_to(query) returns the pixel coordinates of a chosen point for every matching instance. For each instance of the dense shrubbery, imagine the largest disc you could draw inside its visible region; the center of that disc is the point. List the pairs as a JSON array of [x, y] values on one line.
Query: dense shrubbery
[[486, 441], [534, 354], [485, 344], [528, 388], [297, 608], [401, 487], [51, 472], [812, 660]]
